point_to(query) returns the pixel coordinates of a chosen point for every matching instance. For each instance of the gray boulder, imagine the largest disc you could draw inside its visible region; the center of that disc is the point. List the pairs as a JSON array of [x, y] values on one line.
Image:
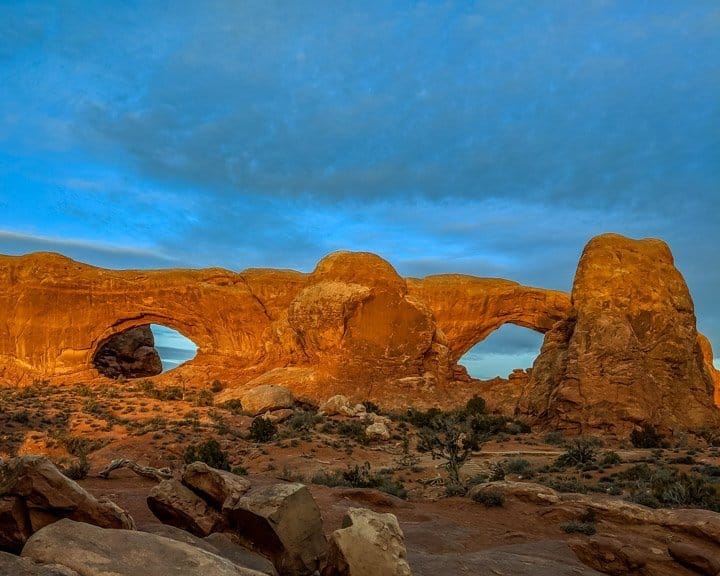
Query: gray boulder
[[212, 484], [369, 543], [175, 504], [34, 493], [281, 522], [93, 551]]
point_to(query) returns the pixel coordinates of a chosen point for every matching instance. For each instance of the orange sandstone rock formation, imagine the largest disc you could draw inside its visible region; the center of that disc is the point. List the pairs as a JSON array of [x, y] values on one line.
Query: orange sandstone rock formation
[[628, 351], [352, 326], [625, 347]]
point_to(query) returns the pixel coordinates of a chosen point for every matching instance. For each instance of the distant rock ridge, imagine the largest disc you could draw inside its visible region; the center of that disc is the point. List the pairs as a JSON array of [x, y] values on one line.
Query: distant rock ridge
[[355, 327]]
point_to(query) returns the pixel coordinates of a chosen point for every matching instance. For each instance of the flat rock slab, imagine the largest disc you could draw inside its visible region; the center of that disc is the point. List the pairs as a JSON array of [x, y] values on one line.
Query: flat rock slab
[[543, 558], [93, 551]]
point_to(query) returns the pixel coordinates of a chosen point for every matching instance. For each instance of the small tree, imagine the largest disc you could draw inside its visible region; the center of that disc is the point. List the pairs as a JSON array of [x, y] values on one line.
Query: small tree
[[449, 438]]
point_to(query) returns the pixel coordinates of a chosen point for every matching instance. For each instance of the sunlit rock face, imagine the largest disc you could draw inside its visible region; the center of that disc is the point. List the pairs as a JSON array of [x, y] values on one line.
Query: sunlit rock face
[[625, 347], [628, 351]]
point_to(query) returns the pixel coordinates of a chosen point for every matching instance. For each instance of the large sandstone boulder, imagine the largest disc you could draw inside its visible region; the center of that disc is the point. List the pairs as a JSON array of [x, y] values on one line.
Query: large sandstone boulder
[[260, 399], [93, 551], [175, 504], [628, 351], [130, 354], [34, 493], [282, 522], [214, 485], [368, 544], [218, 543]]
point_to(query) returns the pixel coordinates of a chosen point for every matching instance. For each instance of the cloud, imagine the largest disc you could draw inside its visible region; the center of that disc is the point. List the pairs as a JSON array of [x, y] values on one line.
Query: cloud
[[85, 251]]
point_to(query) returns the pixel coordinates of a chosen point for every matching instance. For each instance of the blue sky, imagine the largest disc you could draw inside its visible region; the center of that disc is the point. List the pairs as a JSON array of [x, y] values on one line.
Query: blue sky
[[492, 138]]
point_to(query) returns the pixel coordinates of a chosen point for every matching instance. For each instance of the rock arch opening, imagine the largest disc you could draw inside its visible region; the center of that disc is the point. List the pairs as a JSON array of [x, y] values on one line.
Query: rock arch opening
[[143, 351], [508, 348]]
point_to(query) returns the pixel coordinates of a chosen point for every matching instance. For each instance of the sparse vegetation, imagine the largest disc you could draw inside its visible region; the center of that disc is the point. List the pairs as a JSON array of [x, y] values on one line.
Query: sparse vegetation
[[262, 430], [647, 437], [362, 477], [208, 452], [489, 498]]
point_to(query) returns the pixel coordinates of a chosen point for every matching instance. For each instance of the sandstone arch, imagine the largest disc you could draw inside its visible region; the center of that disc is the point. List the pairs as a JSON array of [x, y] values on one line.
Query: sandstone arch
[[467, 309]]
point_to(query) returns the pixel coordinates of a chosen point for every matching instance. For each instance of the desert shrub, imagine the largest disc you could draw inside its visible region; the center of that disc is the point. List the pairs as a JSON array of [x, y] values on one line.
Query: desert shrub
[[233, 405], [204, 398], [262, 429], [302, 421], [239, 470], [21, 417], [566, 484], [518, 466], [475, 405], [216, 386], [497, 472], [554, 438], [489, 498], [362, 477], [353, 430], [577, 527], [371, 407], [646, 437], [579, 451], [452, 440], [708, 470], [78, 445], [662, 486], [610, 458], [208, 452], [710, 435], [78, 470]]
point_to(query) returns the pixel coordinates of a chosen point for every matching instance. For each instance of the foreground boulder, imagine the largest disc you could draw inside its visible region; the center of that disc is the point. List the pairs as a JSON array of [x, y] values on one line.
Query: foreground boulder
[[628, 351], [93, 551], [175, 504], [34, 493], [11, 565], [214, 485], [221, 544], [369, 543], [282, 522]]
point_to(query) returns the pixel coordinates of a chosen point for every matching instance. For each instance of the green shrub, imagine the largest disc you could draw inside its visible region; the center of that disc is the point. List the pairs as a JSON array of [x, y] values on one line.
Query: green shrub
[[554, 438], [475, 405], [262, 429], [208, 452], [646, 437], [518, 466], [576, 527], [578, 451], [610, 458], [489, 498], [302, 421]]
